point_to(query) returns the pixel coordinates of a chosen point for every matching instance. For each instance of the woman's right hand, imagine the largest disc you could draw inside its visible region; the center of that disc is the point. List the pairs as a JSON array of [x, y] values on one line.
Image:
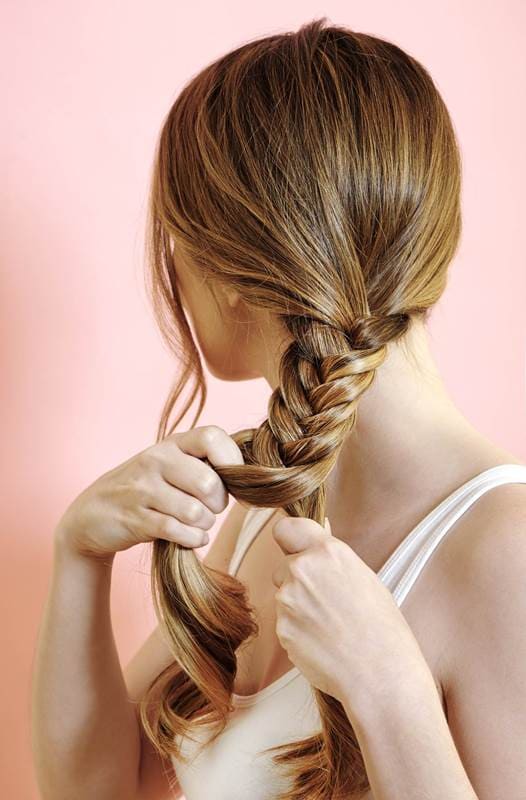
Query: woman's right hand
[[163, 492]]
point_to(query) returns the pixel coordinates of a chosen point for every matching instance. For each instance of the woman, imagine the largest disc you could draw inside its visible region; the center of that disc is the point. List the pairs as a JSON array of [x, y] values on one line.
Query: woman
[[305, 208]]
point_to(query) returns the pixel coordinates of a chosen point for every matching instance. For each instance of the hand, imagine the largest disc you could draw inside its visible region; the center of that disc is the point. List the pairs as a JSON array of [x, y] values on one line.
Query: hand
[[163, 492], [337, 621]]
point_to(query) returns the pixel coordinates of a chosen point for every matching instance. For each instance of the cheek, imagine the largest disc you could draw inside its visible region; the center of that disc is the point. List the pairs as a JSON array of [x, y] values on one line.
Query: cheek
[[222, 343], [200, 313], [224, 355], [219, 343]]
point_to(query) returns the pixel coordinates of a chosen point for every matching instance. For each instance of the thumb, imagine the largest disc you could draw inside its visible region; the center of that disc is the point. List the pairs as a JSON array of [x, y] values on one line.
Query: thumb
[[294, 534]]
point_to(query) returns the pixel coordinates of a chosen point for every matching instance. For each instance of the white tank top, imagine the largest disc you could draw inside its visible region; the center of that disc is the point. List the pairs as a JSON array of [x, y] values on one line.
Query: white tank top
[[233, 767]]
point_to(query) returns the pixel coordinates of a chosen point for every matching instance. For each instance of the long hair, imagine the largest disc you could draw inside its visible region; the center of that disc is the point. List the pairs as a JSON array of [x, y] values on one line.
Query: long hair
[[316, 172]]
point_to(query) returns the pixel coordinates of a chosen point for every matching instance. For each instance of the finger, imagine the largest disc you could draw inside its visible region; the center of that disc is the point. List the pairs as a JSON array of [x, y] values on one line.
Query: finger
[[187, 467], [280, 574], [194, 477], [170, 500], [211, 442], [294, 534], [162, 526]]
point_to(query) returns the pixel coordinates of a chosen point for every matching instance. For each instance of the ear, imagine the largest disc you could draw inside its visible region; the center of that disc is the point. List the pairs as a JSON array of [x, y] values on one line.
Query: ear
[[228, 294], [232, 296], [224, 298]]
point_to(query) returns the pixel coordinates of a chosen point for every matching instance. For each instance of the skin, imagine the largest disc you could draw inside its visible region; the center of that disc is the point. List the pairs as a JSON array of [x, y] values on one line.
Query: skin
[[460, 633], [383, 484]]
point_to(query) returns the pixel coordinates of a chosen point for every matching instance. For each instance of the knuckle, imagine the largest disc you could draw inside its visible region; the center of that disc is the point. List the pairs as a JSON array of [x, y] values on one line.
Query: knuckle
[[136, 492], [281, 629], [281, 596], [146, 460], [325, 546], [207, 482], [296, 568], [141, 496], [193, 510], [169, 525], [332, 547], [211, 433]]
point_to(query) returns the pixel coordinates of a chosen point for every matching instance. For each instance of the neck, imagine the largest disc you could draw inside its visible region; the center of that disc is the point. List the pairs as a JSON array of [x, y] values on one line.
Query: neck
[[410, 446]]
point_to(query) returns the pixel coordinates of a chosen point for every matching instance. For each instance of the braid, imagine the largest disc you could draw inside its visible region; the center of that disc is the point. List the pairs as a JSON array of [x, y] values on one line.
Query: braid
[[323, 373], [343, 200]]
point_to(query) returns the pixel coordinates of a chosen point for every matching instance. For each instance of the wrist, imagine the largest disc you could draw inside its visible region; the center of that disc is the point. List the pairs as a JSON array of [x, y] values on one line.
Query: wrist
[[65, 549], [390, 700]]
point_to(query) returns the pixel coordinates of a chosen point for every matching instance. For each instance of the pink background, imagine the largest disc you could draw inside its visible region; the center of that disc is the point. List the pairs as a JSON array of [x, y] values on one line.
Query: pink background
[[84, 371]]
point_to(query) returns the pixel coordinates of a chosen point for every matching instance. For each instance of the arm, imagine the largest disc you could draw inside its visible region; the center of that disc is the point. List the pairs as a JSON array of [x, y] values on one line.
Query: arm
[[85, 734], [409, 748]]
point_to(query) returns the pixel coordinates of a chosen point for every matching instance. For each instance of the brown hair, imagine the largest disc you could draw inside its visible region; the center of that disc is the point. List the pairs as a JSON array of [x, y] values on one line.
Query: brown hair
[[317, 172]]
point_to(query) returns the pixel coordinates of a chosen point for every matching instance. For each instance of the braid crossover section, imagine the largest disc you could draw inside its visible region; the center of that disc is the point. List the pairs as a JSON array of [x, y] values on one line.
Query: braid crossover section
[[323, 373], [317, 174]]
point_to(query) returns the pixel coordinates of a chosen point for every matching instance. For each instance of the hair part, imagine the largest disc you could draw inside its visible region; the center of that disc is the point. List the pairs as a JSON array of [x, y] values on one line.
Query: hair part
[[317, 173]]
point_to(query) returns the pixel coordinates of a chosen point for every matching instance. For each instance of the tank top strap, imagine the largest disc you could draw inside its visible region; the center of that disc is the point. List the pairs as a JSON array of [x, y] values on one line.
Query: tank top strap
[[255, 518], [402, 570]]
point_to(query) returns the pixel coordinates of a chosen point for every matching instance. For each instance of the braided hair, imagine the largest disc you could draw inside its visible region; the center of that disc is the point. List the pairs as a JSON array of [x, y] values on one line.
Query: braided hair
[[316, 172]]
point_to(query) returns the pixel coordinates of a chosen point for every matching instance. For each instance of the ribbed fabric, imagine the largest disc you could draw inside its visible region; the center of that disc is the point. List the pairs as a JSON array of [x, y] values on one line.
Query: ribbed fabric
[[234, 766]]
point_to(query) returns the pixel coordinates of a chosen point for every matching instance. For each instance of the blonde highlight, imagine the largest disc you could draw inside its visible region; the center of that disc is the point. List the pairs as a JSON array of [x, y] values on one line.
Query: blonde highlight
[[317, 172]]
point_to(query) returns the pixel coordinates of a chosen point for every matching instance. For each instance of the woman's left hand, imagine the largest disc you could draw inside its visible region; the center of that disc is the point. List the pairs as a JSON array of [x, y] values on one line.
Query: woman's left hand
[[337, 621]]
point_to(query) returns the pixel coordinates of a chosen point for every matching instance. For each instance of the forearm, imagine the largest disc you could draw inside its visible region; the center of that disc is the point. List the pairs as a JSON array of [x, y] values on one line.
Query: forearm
[[407, 747], [85, 733]]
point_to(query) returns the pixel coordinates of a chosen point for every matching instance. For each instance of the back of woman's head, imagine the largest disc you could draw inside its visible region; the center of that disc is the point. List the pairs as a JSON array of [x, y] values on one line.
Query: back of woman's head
[[317, 173]]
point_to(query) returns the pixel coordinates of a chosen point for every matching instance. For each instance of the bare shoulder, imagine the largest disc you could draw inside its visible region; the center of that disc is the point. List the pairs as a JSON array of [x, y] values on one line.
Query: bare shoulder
[[492, 541], [483, 660], [484, 553]]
